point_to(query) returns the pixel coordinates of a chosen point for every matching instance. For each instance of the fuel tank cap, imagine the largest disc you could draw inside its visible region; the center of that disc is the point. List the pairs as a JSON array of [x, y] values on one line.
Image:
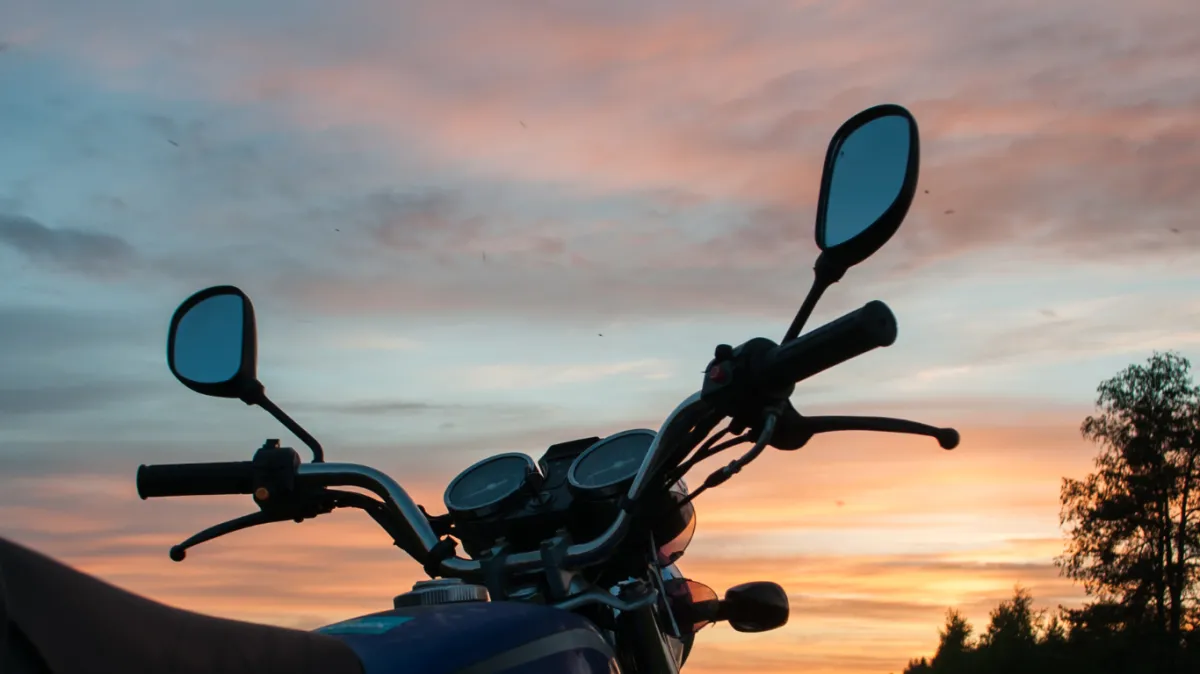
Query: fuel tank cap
[[440, 591]]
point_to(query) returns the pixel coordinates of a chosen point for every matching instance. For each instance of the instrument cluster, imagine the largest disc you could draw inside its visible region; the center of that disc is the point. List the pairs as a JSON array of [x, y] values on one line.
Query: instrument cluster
[[491, 485], [575, 486]]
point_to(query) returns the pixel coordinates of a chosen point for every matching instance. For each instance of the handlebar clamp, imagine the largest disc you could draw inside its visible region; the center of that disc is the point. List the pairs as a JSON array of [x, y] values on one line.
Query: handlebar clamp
[[445, 549]]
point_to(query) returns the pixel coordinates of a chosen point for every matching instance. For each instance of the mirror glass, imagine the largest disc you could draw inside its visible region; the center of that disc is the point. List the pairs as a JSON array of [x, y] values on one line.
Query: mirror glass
[[208, 340], [868, 172]]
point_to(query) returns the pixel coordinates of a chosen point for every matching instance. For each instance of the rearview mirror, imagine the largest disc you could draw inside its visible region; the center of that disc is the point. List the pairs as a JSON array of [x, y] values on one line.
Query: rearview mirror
[[212, 348], [212, 345], [750, 607], [755, 607], [868, 184]]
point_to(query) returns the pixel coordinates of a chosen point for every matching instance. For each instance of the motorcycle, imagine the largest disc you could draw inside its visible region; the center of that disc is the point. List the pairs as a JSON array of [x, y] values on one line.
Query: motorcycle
[[568, 563]]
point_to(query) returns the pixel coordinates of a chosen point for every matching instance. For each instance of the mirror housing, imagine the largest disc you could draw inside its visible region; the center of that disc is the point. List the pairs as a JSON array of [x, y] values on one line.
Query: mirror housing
[[867, 185], [215, 305], [880, 176], [207, 327], [750, 607], [755, 607]]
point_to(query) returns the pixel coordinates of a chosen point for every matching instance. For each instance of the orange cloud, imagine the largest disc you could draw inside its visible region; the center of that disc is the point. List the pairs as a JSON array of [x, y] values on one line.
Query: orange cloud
[[962, 528]]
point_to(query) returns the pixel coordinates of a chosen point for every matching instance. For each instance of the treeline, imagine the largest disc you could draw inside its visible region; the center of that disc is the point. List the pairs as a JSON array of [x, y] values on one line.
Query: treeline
[[1096, 639], [1132, 540]]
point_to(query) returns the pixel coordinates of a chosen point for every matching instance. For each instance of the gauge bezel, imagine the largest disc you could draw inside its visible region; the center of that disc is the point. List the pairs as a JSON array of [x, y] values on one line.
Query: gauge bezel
[[615, 487], [499, 503]]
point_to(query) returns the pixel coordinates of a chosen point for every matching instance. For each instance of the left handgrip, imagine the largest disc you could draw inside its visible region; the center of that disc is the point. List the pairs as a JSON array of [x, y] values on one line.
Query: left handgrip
[[195, 479]]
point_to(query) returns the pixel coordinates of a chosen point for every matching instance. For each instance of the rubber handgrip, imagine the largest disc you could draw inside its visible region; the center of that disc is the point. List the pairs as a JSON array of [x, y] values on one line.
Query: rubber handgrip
[[195, 479], [836, 342]]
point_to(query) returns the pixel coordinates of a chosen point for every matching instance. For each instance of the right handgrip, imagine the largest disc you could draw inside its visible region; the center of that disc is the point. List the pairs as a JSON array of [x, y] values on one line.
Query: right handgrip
[[195, 479], [836, 342]]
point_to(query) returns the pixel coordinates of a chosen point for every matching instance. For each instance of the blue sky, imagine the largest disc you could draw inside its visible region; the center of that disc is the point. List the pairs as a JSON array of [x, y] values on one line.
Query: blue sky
[[438, 209]]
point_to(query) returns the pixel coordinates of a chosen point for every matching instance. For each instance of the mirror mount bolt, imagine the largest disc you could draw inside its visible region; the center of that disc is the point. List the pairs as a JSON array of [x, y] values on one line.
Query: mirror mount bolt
[[827, 270]]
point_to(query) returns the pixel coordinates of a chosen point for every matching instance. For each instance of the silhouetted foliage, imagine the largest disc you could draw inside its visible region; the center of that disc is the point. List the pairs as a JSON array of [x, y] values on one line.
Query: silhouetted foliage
[[955, 644], [1133, 541], [1019, 639], [1008, 643]]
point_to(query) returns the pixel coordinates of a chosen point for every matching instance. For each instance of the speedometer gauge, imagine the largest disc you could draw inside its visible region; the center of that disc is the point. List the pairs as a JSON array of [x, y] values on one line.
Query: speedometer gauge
[[609, 466], [488, 486]]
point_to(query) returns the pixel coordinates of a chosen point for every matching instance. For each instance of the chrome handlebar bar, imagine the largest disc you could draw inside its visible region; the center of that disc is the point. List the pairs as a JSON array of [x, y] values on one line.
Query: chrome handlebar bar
[[678, 423]]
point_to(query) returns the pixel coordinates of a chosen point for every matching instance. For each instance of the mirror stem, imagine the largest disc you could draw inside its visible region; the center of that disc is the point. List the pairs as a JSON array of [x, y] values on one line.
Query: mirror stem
[[259, 397], [826, 273]]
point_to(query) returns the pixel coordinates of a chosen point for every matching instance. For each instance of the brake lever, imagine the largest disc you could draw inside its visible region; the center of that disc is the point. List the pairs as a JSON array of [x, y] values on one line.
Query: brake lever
[[794, 430], [947, 437]]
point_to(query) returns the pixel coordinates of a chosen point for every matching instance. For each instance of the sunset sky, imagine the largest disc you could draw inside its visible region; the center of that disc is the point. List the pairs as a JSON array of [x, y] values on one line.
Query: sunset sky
[[439, 207]]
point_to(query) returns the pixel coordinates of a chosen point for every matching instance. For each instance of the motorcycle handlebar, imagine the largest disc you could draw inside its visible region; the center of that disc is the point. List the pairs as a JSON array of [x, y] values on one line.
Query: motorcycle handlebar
[[192, 479], [851, 335], [195, 479], [869, 327]]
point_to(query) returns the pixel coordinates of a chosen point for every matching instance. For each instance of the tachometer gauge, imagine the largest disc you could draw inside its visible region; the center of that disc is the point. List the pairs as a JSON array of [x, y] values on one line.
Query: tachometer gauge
[[608, 467], [490, 485]]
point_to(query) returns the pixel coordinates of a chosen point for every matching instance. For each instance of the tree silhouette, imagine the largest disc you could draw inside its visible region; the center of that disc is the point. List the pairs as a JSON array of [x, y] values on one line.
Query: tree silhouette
[[1010, 638], [1134, 524], [953, 651], [1053, 645], [955, 644], [1133, 541]]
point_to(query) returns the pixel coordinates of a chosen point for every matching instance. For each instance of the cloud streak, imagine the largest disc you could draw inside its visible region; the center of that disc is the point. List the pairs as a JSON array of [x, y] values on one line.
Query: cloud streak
[[88, 253], [26, 401], [471, 228], [1051, 152]]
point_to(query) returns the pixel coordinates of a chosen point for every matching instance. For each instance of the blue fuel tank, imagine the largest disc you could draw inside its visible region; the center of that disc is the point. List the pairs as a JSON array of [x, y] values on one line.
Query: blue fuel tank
[[476, 638]]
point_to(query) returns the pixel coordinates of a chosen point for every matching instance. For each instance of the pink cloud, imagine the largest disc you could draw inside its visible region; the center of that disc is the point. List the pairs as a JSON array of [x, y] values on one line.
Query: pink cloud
[[1042, 130], [1008, 159]]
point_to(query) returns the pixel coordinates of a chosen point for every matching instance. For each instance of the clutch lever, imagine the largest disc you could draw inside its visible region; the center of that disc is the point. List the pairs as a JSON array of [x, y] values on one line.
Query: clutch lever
[[297, 506], [179, 552]]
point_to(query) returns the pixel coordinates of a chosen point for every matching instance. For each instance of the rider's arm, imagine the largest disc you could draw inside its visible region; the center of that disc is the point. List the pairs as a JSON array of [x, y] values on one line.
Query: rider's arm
[[82, 625]]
